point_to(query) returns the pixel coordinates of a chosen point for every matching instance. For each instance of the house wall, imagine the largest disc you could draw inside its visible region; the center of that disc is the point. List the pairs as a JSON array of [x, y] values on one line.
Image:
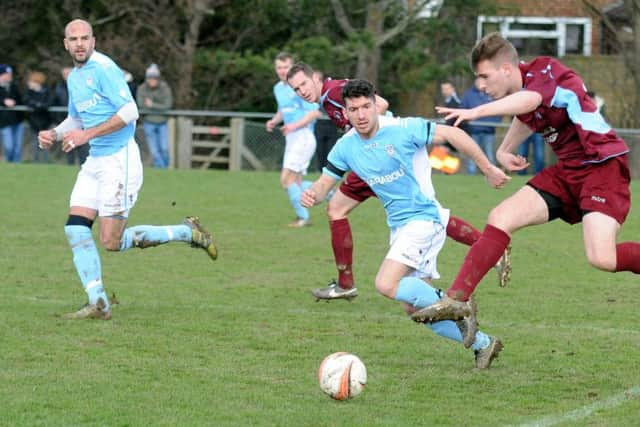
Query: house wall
[[555, 8]]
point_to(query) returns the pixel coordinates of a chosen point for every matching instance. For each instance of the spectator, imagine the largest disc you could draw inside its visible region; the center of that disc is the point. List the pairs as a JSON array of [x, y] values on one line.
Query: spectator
[[537, 142], [11, 126], [484, 136], [326, 134], [451, 100], [154, 95], [449, 95], [38, 98], [61, 99]]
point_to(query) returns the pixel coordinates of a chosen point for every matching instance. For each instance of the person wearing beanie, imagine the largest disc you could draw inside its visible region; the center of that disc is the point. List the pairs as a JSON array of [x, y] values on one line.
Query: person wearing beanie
[[154, 96], [11, 125]]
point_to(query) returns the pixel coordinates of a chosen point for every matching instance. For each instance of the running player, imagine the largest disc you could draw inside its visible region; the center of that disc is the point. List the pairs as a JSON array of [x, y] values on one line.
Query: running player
[[390, 155], [588, 184], [102, 113], [298, 116], [354, 191]]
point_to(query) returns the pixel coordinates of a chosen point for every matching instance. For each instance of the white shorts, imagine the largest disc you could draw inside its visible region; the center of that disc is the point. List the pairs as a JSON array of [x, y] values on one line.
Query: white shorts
[[109, 184], [299, 149], [417, 244]]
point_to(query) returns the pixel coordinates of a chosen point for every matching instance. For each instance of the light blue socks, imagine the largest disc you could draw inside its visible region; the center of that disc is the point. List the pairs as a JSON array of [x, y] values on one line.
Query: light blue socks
[[87, 262], [419, 294], [144, 236], [294, 191]]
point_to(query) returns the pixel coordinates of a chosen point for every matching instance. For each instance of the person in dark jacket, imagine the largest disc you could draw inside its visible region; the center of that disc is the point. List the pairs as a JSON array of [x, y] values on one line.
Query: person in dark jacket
[[451, 100], [38, 99], [11, 126]]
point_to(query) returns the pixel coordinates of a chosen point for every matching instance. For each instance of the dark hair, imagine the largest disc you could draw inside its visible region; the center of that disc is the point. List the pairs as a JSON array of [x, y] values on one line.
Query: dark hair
[[357, 87], [284, 56], [493, 46], [300, 66]]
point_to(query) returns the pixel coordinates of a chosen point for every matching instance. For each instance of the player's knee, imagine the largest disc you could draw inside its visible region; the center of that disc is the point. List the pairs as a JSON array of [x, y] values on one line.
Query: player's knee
[[602, 260], [110, 243], [386, 288], [495, 215], [500, 218], [335, 211]]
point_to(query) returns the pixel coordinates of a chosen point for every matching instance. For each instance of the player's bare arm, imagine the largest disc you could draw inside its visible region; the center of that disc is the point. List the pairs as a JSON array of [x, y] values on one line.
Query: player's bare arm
[[520, 102], [303, 122], [318, 191], [463, 142], [506, 153], [271, 123], [46, 138], [79, 137]]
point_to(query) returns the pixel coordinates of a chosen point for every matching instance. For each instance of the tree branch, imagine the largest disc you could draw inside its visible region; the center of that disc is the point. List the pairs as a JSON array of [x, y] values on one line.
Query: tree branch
[[341, 17], [404, 22]]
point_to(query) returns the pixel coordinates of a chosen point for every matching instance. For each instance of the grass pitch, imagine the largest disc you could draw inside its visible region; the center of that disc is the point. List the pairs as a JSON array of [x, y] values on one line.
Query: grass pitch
[[238, 341]]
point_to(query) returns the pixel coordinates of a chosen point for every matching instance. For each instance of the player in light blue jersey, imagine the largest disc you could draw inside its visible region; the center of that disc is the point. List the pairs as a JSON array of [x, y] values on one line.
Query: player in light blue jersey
[[389, 154], [298, 116], [102, 113]]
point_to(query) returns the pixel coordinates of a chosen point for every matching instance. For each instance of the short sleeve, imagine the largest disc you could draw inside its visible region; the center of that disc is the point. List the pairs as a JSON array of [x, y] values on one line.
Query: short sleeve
[[113, 85]]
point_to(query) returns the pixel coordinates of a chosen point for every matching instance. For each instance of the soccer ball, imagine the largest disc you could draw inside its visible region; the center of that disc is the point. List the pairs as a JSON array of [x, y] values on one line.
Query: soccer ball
[[342, 375]]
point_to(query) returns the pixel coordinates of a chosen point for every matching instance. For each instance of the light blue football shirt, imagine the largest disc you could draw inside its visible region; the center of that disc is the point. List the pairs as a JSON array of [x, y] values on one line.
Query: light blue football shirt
[[290, 105], [394, 164], [97, 90]]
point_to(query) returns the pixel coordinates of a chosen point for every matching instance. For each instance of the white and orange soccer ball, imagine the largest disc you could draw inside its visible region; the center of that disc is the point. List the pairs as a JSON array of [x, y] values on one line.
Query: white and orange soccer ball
[[342, 375]]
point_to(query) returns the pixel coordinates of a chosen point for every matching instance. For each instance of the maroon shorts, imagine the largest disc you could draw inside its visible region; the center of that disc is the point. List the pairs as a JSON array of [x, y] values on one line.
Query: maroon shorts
[[600, 187], [355, 188]]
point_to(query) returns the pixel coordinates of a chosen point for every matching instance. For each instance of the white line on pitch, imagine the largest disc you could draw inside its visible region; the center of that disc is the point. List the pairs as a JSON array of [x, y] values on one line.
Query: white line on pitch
[[584, 412]]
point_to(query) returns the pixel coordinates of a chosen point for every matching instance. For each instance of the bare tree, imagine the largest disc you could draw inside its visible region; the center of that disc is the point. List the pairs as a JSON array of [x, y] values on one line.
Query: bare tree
[[376, 30], [167, 32]]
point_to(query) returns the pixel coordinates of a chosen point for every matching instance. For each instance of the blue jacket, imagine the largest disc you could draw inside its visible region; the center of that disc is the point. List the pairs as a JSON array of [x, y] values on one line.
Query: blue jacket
[[472, 98]]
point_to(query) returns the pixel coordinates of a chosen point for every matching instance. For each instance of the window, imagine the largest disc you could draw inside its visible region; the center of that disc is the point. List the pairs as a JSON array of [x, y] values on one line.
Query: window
[[536, 35]]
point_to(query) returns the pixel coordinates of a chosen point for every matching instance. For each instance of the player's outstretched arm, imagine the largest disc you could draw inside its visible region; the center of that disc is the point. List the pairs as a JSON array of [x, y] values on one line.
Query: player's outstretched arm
[[318, 191], [520, 102], [463, 142]]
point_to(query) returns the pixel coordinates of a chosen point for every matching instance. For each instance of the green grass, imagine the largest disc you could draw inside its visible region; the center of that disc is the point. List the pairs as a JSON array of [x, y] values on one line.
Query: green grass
[[238, 342]]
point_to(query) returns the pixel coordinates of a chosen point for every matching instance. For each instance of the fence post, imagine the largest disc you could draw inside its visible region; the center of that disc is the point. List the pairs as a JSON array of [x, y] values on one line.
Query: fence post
[[237, 142], [184, 150], [171, 132]]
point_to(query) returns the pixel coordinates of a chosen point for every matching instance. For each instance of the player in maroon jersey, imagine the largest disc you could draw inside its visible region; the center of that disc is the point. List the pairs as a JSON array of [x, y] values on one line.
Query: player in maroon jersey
[[354, 191], [588, 184]]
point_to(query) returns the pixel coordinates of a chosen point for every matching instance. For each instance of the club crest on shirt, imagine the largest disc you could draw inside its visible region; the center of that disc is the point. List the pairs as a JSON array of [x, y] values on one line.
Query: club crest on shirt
[[89, 81], [390, 150], [550, 135]]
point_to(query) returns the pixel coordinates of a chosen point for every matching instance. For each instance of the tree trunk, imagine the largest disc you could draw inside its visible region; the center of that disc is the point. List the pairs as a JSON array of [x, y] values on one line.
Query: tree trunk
[[370, 53]]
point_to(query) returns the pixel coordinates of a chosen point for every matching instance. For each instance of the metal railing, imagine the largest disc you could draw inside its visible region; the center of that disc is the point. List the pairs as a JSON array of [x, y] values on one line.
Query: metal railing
[[237, 140]]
